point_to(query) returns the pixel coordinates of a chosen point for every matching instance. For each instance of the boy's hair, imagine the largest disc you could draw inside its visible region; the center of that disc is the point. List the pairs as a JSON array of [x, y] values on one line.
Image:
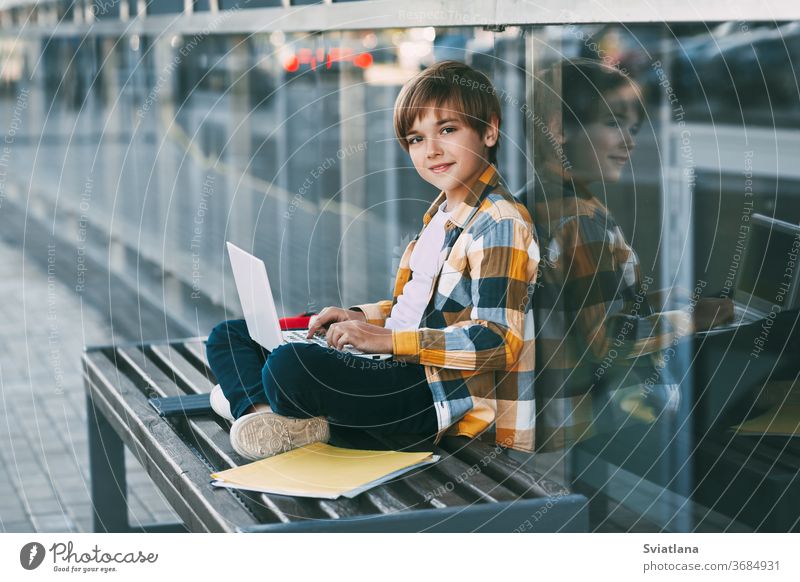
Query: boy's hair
[[575, 90], [448, 85], [585, 84]]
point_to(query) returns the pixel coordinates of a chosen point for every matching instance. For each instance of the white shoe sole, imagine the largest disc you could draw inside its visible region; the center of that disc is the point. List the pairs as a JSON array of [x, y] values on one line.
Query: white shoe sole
[[263, 434]]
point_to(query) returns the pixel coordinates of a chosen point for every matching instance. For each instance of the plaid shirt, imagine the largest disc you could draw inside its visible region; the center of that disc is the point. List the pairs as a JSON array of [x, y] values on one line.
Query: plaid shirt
[[476, 334], [592, 314]]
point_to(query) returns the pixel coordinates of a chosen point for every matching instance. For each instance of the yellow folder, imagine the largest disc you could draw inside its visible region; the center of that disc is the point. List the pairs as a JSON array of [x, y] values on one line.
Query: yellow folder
[[321, 470], [778, 420], [783, 415]]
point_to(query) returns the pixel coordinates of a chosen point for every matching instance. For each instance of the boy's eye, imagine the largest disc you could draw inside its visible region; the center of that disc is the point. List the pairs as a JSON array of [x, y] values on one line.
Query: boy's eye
[[616, 123], [414, 139], [448, 129]]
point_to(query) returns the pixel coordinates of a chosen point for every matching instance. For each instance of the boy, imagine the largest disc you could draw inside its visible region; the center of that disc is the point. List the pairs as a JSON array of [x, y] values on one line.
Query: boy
[[459, 324]]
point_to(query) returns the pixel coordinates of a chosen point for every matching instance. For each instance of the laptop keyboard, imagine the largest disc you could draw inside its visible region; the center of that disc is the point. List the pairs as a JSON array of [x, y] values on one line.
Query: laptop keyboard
[[742, 315], [299, 336]]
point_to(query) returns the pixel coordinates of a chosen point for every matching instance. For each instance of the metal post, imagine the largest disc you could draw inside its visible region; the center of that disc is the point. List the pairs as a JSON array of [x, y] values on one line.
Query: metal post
[[107, 466]]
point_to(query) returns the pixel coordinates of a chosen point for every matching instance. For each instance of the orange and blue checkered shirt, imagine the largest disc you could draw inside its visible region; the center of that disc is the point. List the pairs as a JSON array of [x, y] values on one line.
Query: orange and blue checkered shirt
[[476, 336], [592, 314]]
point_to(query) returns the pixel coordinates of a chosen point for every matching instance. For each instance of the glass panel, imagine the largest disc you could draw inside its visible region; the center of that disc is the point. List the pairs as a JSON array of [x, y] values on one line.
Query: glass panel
[[650, 159], [717, 71]]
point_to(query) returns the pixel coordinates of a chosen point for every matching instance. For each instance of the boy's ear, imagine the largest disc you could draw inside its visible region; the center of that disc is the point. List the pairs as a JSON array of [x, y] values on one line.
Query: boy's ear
[[492, 132]]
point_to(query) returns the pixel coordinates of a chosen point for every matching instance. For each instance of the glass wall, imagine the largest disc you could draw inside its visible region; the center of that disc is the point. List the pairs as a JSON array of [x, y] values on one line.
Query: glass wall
[[280, 143], [655, 149], [148, 152]]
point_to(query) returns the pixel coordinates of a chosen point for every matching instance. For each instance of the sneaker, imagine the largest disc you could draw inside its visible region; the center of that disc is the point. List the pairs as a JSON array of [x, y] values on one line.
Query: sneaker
[[220, 404], [263, 434]]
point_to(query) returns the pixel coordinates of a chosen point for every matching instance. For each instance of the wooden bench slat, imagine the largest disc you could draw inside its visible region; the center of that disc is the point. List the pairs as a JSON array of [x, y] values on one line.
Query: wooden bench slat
[[144, 367], [154, 354], [472, 479], [186, 375], [386, 499], [189, 475], [295, 508], [342, 507], [197, 351], [502, 468], [430, 490], [359, 506], [206, 434]]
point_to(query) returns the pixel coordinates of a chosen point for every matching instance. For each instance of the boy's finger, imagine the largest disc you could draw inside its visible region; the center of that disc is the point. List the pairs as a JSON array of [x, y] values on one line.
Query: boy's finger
[[314, 329], [329, 336], [316, 323], [312, 326]]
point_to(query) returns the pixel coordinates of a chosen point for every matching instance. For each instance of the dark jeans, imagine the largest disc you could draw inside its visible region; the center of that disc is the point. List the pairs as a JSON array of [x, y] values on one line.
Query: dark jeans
[[305, 380]]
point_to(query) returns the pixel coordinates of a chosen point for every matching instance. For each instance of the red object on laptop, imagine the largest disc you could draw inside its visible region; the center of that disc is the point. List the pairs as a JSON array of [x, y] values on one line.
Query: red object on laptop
[[296, 322]]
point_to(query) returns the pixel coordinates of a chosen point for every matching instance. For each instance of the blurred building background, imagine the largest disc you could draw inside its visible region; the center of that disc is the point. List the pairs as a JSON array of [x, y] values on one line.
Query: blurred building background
[[148, 144]]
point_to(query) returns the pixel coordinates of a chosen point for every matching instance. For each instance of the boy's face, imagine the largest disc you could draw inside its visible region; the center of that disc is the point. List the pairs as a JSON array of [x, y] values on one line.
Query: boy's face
[[447, 152], [600, 149]]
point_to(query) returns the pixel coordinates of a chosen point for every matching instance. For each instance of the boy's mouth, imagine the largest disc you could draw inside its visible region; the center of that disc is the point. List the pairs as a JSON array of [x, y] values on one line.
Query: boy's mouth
[[440, 168]]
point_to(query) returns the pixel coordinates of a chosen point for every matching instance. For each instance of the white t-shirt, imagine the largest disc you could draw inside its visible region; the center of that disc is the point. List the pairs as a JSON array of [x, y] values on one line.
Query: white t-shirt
[[425, 264]]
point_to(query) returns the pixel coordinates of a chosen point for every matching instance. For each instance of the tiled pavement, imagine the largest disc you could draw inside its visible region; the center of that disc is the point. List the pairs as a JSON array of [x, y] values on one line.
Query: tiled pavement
[[44, 477]]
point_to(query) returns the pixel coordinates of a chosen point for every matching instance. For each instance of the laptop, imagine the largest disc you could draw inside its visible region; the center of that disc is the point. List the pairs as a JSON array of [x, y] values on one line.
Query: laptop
[[765, 282], [255, 295]]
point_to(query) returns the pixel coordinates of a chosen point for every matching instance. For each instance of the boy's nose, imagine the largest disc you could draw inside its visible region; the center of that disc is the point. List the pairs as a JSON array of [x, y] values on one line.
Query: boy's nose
[[630, 140], [434, 148]]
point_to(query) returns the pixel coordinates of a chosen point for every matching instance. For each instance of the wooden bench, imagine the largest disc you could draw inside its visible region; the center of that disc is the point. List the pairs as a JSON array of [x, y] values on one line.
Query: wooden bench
[[474, 487]]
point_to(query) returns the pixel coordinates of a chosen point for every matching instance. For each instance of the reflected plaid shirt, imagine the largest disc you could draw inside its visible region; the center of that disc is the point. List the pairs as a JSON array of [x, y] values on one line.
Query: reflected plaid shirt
[[476, 334], [592, 313]]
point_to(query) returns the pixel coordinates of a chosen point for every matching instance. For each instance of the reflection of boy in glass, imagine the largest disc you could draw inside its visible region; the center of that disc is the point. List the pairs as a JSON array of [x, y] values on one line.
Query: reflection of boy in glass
[[595, 324]]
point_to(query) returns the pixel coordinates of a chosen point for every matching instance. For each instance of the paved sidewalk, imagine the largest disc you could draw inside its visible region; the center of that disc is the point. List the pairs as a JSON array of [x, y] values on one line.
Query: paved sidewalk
[[43, 438]]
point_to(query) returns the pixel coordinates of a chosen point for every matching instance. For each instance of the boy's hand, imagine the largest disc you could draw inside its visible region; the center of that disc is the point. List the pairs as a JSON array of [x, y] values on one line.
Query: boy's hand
[[363, 336], [710, 312], [331, 315]]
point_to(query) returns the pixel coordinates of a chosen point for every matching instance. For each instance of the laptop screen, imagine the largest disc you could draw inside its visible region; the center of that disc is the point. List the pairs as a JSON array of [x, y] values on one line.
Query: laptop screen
[[764, 269]]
